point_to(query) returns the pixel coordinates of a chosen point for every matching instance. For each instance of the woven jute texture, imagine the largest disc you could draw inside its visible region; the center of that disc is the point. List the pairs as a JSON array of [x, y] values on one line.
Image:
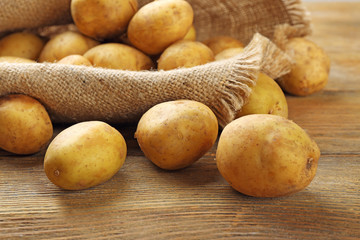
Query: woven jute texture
[[79, 93]]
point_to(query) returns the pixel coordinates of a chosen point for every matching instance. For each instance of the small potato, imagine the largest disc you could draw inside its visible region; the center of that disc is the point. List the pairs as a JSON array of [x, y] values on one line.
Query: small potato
[[266, 98], [25, 126], [75, 60], [65, 44], [309, 73], [118, 56], [265, 155], [185, 53], [191, 34], [84, 155], [220, 43], [10, 59], [103, 19], [175, 134], [228, 53], [160, 23], [21, 44]]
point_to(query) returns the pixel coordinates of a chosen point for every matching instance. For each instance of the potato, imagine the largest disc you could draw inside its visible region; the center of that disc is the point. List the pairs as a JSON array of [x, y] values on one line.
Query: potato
[[10, 59], [84, 155], [118, 56], [65, 44], [103, 19], [160, 23], [309, 73], [75, 60], [191, 34], [228, 53], [175, 134], [21, 44], [25, 126], [220, 43], [266, 98], [185, 53], [265, 155]]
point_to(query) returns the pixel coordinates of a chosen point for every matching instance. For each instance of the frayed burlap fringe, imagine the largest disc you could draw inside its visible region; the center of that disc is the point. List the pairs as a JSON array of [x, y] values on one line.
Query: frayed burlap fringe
[[79, 93]]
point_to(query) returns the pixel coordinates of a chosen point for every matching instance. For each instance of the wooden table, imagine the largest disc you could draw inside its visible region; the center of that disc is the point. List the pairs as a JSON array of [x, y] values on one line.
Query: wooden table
[[144, 202]]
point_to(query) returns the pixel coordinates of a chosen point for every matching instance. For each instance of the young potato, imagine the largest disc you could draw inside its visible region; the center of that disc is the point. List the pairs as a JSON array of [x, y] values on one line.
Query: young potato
[[103, 19], [21, 44], [65, 44], [220, 43], [75, 60], [191, 34], [118, 56], [175, 134], [158, 24], [84, 155], [25, 126], [228, 53], [10, 59], [264, 155], [309, 73], [266, 98], [185, 53]]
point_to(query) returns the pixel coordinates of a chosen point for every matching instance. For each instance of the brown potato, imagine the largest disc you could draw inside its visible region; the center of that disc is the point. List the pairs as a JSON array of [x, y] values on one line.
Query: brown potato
[[84, 155], [158, 24], [265, 155], [21, 44], [118, 56], [75, 60], [103, 19], [65, 44], [10, 59], [266, 98], [310, 71], [185, 53], [25, 126], [191, 34], [220, 43], [228, 53], [175, 134]]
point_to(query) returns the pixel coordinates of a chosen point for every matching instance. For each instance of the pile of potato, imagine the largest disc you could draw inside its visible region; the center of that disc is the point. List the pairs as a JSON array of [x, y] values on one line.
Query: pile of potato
[[261, 153]]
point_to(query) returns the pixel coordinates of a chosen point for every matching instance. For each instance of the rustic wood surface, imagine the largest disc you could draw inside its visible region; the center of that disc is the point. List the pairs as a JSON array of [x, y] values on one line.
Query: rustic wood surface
[[144, 202]]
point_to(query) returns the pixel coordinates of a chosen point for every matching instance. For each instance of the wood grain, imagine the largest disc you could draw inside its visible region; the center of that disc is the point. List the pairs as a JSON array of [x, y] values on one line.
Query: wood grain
[[143, 202]]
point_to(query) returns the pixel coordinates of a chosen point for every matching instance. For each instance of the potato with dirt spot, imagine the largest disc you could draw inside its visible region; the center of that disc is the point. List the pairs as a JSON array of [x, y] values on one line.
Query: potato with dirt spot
[[310, 70], [265, 155], [25, 125], [158, 24], [186, 54], [65, 44], [266, 97], [84, 155], [118, 56], [175, 134], [103, 19], [22, 44]]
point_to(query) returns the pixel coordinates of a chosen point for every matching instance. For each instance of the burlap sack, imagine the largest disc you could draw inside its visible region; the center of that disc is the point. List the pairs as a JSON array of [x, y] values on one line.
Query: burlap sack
[[77, 93]]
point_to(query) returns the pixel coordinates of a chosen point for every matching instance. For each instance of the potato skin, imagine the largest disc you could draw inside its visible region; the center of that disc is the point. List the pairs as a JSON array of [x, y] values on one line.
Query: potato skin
[[309, 73], [25, 126], [65, 44], [265, 155], [75, 59], [191, 34], [266, 98], [84, 155], [220, 43], [175, 134], [21, 44], [118, 56], [185, 53], [228, 53], [10, 59], [158, 24]]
